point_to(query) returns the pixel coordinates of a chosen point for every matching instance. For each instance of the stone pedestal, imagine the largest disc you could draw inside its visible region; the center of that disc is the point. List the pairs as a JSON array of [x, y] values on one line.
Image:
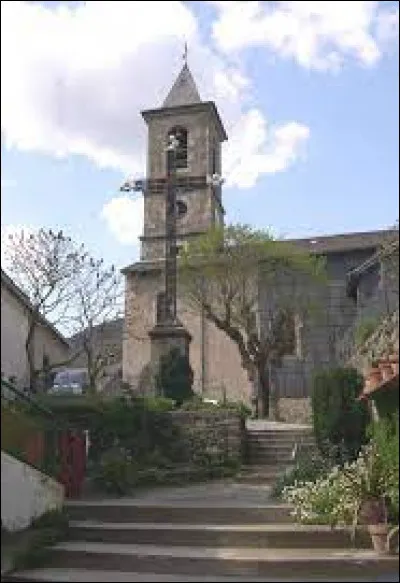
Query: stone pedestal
[[163, 337]]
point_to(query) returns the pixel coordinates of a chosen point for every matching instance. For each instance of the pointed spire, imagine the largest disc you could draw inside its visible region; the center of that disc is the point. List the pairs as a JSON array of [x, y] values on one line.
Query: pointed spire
[[184, 91]]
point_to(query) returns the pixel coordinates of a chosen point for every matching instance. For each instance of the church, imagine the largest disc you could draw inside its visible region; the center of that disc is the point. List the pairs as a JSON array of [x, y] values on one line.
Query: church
[[214, 357]]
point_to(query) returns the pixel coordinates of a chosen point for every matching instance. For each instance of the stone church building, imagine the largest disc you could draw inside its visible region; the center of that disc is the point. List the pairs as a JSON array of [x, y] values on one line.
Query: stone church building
[[214, 357]]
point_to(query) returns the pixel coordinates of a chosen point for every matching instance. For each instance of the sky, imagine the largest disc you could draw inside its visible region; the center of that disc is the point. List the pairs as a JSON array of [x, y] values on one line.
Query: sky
[[308, 93]]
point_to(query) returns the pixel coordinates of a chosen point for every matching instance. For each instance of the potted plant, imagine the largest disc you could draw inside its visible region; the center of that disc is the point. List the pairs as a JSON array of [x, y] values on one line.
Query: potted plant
[[371, 510], [373, 377], [385, 366], [394, 361]]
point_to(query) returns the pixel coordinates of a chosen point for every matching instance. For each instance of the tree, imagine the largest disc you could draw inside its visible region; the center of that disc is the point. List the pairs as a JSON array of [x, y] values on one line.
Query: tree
[[45, 265], [253, 288], [96, 303], [69, 288], [174, 378]]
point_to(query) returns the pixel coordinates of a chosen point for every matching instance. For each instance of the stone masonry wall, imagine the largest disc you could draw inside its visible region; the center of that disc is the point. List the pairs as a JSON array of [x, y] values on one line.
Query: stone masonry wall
[[295, 410], [222, 373], [217, 436]]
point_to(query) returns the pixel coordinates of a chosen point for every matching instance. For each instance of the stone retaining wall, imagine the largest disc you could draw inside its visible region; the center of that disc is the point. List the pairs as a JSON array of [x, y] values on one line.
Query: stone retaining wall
[[210, 435], [295, 410]]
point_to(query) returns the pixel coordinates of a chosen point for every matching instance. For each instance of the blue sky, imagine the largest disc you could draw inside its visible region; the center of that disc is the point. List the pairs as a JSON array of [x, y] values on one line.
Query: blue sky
[[308, 91]]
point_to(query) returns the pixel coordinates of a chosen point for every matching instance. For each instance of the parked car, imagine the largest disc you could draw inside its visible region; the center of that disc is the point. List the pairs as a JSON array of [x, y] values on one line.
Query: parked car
[[70, 381]]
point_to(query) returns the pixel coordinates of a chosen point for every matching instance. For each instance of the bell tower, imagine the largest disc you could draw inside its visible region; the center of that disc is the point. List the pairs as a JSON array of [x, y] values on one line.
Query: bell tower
[[198, 128]]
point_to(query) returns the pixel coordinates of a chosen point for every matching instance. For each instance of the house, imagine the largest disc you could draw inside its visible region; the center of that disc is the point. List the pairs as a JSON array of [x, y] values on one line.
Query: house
[[48, 343]]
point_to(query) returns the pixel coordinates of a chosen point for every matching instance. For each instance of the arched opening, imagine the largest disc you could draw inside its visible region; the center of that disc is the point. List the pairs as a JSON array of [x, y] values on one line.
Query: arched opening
[[181, 153]]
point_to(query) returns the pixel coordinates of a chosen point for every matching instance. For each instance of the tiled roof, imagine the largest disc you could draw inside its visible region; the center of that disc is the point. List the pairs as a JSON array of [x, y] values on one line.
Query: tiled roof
[[344, 241]]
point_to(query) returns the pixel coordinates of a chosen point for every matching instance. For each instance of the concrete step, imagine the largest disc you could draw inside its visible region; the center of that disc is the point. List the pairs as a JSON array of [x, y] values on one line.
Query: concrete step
[[214, 535], [126, 511], [89, 575], [221, 561], [269, 458]]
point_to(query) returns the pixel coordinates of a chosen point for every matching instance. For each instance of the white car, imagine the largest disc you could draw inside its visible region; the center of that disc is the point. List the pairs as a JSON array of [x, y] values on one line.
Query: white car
[[72, 381]]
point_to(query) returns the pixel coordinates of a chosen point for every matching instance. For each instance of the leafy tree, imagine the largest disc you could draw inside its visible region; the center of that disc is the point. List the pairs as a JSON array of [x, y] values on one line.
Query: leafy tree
[[223, 273]]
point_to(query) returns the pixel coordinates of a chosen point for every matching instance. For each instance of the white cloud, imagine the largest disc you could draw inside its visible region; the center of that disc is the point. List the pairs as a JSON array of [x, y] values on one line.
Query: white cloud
[[75, 80], [256, 149], [316, 34], [124, 217]]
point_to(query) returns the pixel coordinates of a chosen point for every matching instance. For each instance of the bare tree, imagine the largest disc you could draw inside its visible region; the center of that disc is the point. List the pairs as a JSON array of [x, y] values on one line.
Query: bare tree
[[224, 273], [45, 265], [97, 302]]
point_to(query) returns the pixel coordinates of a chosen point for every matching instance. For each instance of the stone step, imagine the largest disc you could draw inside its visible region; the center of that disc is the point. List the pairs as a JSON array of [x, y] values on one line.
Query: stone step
[[279, 440], [214, 535], [259, 457], [126, 511], [280, 443], [221, 561], [89, 575]]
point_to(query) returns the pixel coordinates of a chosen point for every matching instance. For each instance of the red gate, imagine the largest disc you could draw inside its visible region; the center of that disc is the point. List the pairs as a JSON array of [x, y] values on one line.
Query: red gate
[[72, 452]]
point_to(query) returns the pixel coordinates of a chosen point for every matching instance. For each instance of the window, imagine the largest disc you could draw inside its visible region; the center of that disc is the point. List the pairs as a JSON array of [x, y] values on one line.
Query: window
[[181, 158], [181, 209]]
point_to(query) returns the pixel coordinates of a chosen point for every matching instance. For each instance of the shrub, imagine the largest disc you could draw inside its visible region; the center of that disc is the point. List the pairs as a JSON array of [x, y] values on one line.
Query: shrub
[[339, 420], [116, 472], [175, 377], [306, 469]]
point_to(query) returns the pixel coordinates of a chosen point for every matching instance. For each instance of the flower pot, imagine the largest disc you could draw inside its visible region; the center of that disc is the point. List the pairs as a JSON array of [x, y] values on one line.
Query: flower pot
[[372, 511], [394, 362], [379, 536], [385, 366], [373, 379]]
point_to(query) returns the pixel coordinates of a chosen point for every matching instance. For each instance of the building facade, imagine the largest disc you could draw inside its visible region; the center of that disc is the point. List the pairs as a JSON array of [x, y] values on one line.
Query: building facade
[[48, 344], [214, 357]]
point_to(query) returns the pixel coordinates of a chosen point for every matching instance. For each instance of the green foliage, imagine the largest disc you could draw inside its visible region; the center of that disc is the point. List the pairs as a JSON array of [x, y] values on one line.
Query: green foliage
[[116, 472], [385, 436], [306, 469], [339, 420], [175, 377], [198, 404], [364, 329]]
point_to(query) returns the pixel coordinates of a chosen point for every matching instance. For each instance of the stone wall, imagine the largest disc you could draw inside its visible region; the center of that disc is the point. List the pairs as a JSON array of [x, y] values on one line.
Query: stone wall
[[295, 410], [216, 435], [214, 358]]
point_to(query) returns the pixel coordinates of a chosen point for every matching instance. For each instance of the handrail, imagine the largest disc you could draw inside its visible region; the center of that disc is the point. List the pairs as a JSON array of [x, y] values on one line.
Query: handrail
[[26, 398]]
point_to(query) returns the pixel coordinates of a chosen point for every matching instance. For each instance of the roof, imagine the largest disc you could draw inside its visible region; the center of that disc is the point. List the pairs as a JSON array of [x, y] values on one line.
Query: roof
[[341, 243], [344, 241], [184, 91], [23, 298]]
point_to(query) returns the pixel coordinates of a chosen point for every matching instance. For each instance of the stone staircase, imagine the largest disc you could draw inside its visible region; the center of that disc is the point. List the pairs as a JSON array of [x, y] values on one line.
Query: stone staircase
[[228, 531], [271, 448], [200, 540]]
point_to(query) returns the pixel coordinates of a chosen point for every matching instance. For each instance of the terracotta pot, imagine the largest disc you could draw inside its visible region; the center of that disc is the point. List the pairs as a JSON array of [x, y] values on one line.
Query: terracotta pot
[[394, 361], [372, 511], [379, 536], [373, 379], [385, 366]]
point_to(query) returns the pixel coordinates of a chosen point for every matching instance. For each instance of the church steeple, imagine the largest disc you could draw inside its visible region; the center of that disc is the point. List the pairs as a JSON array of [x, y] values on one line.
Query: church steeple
[[184, 91]]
